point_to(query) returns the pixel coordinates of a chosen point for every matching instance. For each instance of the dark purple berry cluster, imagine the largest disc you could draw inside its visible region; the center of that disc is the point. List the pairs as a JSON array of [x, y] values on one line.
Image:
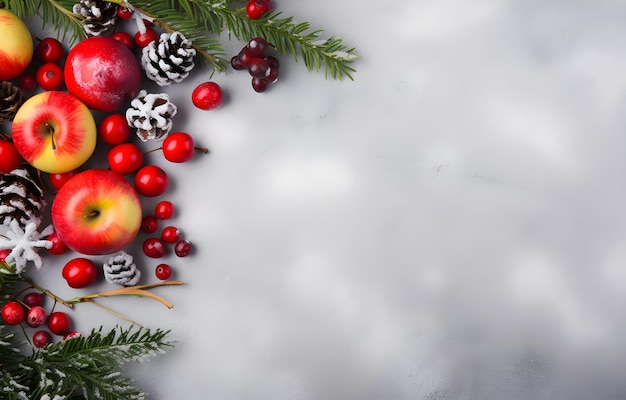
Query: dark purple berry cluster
[[262, 66]]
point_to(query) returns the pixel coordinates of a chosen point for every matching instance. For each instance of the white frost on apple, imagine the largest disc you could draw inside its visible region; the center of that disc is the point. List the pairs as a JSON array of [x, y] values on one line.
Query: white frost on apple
[[24, 243]]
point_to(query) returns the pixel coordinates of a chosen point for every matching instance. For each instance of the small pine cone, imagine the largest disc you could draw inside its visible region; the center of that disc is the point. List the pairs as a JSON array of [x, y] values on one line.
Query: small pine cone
[[21, 196], [152, 115], [121, 270], [99, 15], [169, 59], [11, 99]]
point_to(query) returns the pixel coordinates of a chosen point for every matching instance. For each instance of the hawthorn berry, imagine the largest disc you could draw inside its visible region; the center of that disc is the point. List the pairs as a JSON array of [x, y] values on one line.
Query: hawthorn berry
[[27, 81], [182, 248], [125, 158], [50, 76], [164, 210], [170, 234], [154, 248], [144, 39], [59, 323], [80, 272], [57, 180], [207, 96], [10, 158], [124, 38], [151, 181], [33, 299], [41, 339], [124, 13], [149, 224], [114, 129], [178, 147], [163, 272], [49, 50], [13, 313], [36, 316], [255, 9]]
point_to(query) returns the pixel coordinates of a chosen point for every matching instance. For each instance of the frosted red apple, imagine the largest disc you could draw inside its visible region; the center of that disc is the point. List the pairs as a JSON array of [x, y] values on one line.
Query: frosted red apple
[[102, 72], [54, 131], [97, 212], [17, 46]]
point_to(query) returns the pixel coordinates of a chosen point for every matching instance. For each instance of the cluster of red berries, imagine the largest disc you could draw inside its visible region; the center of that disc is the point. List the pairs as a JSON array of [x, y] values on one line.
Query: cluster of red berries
[[30, 310], [255, 58], [48, 64], [156, 247]]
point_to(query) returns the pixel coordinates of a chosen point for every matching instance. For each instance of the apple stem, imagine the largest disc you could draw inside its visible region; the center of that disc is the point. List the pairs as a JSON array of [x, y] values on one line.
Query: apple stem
[[51, 132]]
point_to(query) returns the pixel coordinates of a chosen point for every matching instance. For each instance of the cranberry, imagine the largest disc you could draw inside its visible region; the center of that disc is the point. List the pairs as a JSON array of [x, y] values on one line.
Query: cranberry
[[163, 272], [182, 248], [154, 248], [245, 57], [124, 38], [59, 323], [27, 81], [49, 50], [33, 299], [13, 313], [124, 13], [113, 129], [144, 39], [258, 68], [258, 47], [41, 339], [4, 253], [170, 234], [207, 96], [71, 335], [164, 210], [178, 147], [125, 158], [58, 246], [151, 181], [49, 76], [10, 158], [36, 316], [80, 272], [236, 63], [259, 84], [149, 224], [255, 9]]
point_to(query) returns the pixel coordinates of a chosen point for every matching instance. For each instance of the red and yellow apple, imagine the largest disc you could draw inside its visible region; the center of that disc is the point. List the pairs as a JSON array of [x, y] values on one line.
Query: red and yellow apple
[[17, 46], [102, 72], [54, 132], [97, 212]]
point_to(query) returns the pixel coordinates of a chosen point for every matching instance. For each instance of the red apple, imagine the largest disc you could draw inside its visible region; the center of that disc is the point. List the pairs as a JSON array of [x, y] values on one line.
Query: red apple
[[102, 72], [97, 212], [17, 46], [55, 132]]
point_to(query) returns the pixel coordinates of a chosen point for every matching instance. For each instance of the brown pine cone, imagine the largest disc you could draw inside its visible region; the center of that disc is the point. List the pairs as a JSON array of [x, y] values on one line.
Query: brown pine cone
[[11, 99]]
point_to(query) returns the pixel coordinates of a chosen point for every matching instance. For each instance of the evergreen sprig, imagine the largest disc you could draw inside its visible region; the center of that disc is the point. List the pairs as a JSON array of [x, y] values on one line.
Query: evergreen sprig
[[200, 20], [85, 365]]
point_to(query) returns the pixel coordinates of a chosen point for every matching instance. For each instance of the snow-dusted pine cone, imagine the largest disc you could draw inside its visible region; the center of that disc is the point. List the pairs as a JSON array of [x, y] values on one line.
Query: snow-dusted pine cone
[[151, 114], [121, 270], [169, 59], [11, 99], [21, 196], [99, 15]]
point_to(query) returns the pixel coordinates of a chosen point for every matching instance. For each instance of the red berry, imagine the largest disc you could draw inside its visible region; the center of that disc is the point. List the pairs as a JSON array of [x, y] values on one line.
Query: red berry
[[71, 335], [154, 248], [258, 47], [58, 246], [151, 181], [207, 96], [59, 323], [258, 68], [27, 81], [259, 84], [182, 248], [50, 76], [80, 272], [144, 39], [41, 339], [58, 180], [33, 299], [170, 234], [49, 50], [255, 9], [36, 316], [10, 158], [3, 254], [124, 13], [149, 224], [245, 56], [125, 158], [124, 38], [163, 272], [113, 129], [178, 147], [164, 210], [236, 63], [13, 313]]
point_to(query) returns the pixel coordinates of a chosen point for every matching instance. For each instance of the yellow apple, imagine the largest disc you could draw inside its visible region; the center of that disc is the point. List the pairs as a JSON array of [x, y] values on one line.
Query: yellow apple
[[16, 48], [54, 132]]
